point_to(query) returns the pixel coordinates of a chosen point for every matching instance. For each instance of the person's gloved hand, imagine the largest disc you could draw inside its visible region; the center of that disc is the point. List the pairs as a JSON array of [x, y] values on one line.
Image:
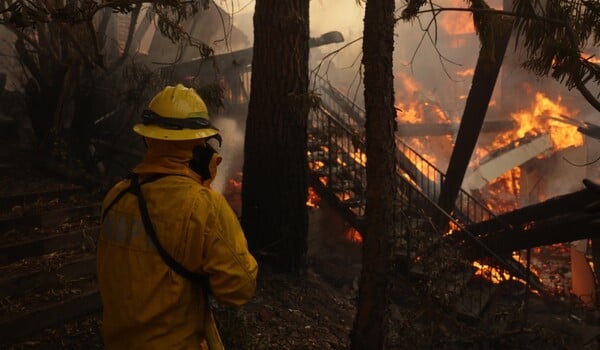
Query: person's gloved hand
[[204, 162]]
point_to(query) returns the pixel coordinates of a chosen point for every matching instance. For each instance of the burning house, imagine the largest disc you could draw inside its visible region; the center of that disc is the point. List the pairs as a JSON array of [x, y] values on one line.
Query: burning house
[[537, 141]]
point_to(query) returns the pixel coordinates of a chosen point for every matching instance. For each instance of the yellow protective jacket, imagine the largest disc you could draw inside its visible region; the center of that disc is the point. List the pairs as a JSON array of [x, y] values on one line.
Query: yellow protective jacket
[[146, 304]]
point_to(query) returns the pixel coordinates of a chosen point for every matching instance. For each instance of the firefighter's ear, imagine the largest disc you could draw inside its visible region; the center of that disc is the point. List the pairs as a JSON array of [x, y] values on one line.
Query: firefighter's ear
[[214, 162]]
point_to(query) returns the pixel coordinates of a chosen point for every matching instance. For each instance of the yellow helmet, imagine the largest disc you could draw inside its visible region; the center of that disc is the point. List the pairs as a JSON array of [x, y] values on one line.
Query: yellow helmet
[[176, 113]]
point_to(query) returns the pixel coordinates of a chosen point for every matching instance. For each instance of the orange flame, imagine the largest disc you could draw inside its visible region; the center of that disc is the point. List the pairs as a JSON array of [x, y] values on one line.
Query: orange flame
[[416, 105], [360, 158], [491, 274], [466, 72], [536, 121], [504, 192], [233, 191], [542, 117], [313, 198], [452, 227], [457, 23], [353, 235], [408, 114], [590, 58]]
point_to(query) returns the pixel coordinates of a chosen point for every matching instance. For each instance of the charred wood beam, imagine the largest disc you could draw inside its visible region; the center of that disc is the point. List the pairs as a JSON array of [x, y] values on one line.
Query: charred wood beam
[[590, 130], [574, 202], [560, 229], [484, 79], [437, 129]]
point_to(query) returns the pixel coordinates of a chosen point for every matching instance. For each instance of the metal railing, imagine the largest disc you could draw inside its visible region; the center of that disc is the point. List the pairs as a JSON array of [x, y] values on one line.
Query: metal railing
[[420, 170], [338, 164]]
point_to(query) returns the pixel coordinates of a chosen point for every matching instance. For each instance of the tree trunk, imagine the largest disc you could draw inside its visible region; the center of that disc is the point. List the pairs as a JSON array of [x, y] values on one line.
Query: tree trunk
[[274, 213], [378, 45], [484, 80]]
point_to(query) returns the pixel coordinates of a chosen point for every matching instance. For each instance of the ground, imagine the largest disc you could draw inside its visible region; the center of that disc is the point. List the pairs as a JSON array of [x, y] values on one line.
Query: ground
[[290, 312]]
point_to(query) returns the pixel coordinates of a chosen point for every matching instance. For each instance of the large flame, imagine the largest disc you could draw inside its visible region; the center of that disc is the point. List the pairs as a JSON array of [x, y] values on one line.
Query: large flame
[[415, 105], [540, 118], [537, 121], [543, 116]]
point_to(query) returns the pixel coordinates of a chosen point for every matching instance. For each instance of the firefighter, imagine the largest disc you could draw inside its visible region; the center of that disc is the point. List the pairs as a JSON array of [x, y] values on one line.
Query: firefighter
[[168, 239]]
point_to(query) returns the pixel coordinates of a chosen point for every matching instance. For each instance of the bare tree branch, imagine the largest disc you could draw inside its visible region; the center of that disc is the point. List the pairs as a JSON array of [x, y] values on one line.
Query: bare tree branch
[[548, 33]]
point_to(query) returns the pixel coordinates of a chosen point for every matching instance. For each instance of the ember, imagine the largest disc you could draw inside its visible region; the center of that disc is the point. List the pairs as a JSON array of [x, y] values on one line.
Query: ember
[[466, 72], [590, 58], [491, 274], [504, 192], [313, 198], [353, 235], [233, 192]]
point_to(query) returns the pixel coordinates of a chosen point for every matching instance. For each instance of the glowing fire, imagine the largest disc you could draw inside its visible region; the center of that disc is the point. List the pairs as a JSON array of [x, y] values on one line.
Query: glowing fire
[[491, 274], [544, 116], [536, 121], [408, 114], [466, 72], [505, 190], [590, 58], [415, 105], [541, 118], [233, 191], [459, 23], [452, 227], [323, 180], [313, 199], [353, 235], [360, 158], [315, 165]]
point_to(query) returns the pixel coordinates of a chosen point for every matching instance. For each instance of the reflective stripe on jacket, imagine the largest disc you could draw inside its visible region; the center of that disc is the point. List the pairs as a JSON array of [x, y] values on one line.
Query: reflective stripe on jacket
[[146, 304]]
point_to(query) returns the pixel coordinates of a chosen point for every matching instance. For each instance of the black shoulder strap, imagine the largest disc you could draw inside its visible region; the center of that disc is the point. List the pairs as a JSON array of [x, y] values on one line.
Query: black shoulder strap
[[128, 190], [135, 188], [172, 263]]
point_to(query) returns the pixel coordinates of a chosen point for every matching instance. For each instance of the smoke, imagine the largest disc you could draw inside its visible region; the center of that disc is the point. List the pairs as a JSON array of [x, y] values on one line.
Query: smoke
[[231, 129], [438, 62]]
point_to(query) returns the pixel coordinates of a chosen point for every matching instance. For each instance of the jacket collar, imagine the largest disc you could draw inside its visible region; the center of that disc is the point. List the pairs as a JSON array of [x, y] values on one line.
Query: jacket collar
[[169, 158]]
